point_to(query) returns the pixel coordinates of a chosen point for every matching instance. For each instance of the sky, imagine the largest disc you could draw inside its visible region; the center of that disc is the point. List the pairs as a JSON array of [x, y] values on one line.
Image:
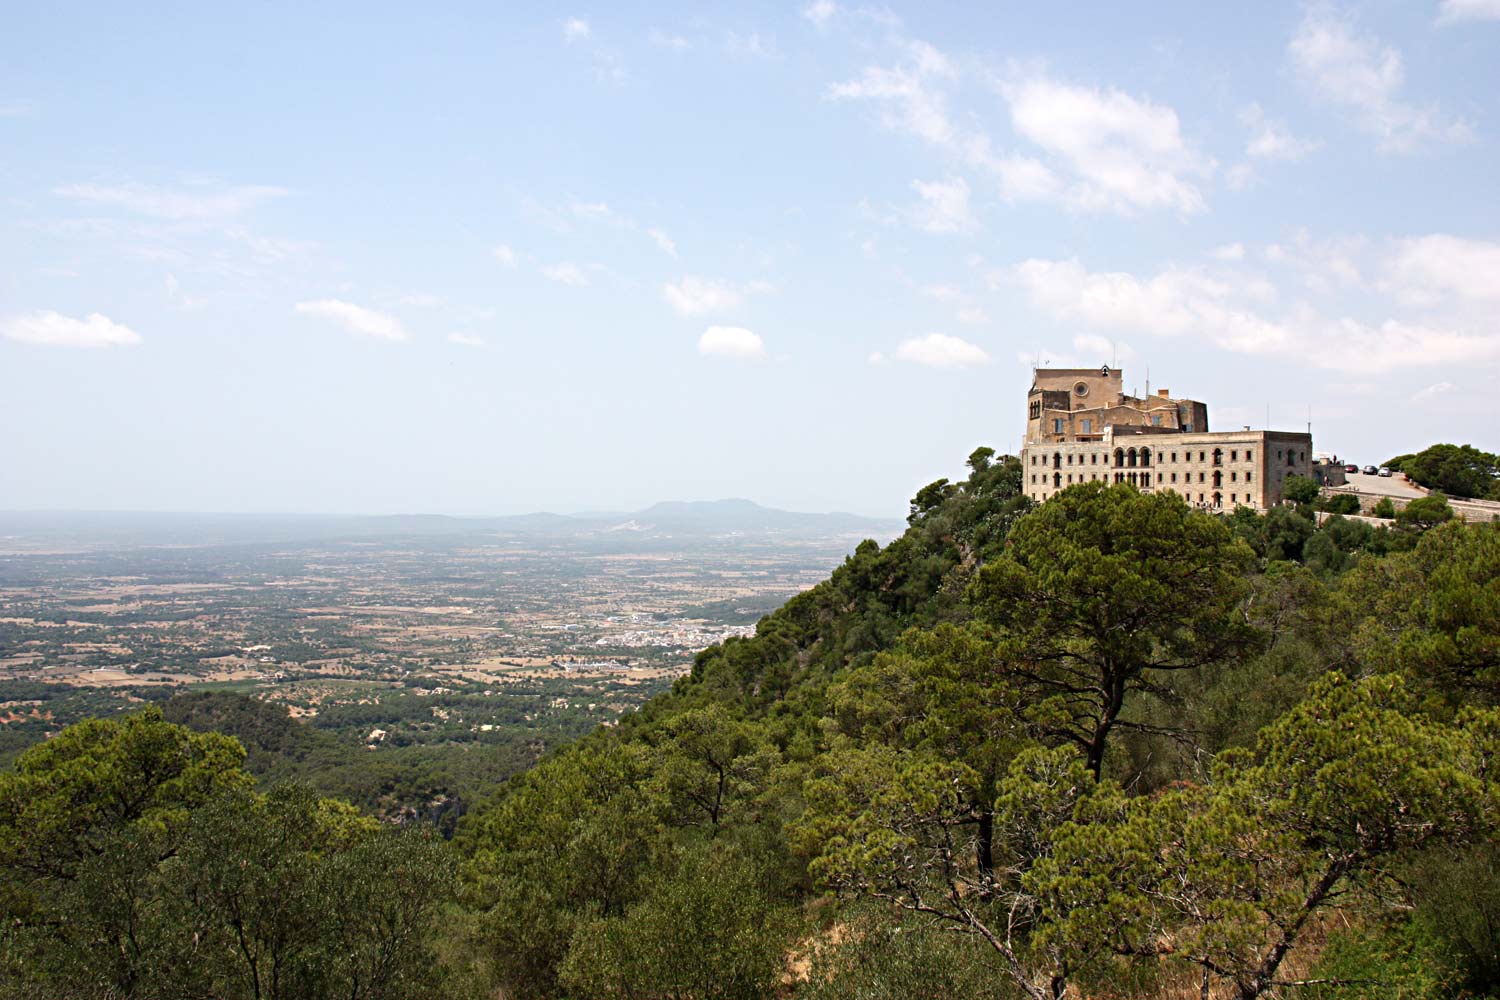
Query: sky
[[494, 258]]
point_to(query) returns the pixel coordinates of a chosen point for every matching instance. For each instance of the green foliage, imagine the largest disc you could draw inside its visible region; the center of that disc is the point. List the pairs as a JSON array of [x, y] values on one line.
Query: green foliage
[[1425, 512], [881, 956], [1341, 503], [1457, 470], [1385, 508], [1300, 489], [708, 931], [137, 861], [1101, 593]]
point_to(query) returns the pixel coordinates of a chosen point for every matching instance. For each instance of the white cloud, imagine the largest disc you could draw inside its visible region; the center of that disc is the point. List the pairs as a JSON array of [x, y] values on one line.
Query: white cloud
[[575, 29], [1269, 138], [1432, 391], [911, 92], [178, 204], [944, 207], [1122, 153], [731, 342], [694, 296], [1178, 302], [664, 242], [1229, 251], [938, 350], [1360, 74], [565, 273], [1453, 11], [972, 316], [594, 211], [1025, 178], [819, 12], [56, 330], [355, 319], [1433, 269], [181, 204], [466, 339], [505, 255]]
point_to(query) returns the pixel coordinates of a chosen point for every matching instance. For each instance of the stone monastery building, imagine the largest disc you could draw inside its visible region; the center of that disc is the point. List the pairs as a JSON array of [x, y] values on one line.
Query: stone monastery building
[[1081, 427]]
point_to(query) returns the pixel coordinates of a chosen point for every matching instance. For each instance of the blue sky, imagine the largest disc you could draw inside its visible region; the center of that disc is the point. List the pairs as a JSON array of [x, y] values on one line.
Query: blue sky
[[499, 258]]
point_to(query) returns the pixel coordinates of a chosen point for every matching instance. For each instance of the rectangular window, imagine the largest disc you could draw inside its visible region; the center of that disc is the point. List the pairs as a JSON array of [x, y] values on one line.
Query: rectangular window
[[1249, 455], [1234, 477], [1234, 456], [1174, 456], [1201, 456], [1158, 477], [1234, 498], [1200, 477], [1156, 421], [1174, 477], [1094, 459], [1088, 425], [1247, 477], [1057, 425]]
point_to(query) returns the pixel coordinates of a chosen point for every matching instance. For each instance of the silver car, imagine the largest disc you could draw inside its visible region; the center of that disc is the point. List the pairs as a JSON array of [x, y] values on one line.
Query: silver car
[[1385, 472]]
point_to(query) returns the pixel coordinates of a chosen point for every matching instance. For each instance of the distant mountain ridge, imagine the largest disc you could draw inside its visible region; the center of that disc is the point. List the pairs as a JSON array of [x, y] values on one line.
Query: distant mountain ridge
[[686, 519]]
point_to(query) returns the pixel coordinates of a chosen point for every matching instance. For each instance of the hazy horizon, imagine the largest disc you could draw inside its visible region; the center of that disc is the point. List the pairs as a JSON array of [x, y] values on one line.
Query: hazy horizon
[[490, 261]]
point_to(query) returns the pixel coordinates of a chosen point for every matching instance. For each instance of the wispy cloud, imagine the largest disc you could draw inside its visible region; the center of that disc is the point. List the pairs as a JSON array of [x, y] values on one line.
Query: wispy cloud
[[1269, 138], [505, 255], [667, 40], [695, 296], [944, 207], [820, 12], [1094, 149], [663, 242], [575, 29], [355, 319], [56, 330], [565, 273], [1454, 11], [1230, 310], [188, 203], [1366, 77], [1118, 152], [466, 339]]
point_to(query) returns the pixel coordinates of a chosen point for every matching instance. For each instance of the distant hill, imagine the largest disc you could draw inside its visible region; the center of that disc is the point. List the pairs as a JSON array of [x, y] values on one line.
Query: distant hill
[[676, 519]]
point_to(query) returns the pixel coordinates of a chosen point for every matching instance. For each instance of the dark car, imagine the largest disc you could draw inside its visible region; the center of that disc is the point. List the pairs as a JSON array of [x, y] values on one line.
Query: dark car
[[1370, 470], [1351, 468]]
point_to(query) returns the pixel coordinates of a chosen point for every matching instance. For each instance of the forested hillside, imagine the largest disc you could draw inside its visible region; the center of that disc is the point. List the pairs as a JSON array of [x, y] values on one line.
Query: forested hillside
[[1104, 746]]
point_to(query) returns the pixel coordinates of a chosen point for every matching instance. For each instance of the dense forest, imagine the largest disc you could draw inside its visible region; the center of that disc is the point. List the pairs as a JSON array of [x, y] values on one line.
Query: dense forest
[[1104, 746]]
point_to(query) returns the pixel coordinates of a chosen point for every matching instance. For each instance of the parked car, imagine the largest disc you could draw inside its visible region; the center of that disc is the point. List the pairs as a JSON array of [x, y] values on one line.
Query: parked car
[[1370, 470], [1351, 468], [1385, 472]]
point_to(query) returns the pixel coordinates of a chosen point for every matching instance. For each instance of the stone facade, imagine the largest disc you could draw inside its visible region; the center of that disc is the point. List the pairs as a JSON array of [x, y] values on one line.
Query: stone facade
[[1082, 427]]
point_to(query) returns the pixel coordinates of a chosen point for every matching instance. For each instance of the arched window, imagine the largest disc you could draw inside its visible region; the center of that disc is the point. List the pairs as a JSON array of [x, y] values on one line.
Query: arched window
[[1218, 456], [1057, 460], [1130, 457], [1119, 459], [1057, 480], [1146, 457]]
